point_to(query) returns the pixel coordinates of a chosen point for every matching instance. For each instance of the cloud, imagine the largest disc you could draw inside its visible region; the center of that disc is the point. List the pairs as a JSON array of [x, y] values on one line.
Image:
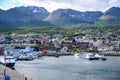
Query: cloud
[[114, 3], [29, 2], [6, 4], [81, 5], [49, 5], [1, 7]]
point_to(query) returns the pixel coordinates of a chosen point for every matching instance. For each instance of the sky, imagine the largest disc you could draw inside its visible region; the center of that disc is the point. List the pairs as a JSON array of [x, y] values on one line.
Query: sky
[[50, 5]]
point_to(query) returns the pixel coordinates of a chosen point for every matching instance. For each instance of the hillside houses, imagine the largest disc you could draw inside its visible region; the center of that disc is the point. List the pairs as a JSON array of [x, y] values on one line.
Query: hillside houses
[[57, 41]]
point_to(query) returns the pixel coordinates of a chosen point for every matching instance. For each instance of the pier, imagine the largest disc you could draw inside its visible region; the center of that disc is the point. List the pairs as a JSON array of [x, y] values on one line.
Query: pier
[[14, 75], [56, 55]]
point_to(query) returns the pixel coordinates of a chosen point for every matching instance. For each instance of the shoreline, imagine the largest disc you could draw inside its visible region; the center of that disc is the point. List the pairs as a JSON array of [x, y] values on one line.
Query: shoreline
[[113, 54], [72, 53]]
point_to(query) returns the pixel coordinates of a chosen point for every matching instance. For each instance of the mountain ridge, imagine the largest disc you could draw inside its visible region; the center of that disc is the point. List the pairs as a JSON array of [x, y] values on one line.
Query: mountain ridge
[[73, 15], [39, 16], [112, 13]]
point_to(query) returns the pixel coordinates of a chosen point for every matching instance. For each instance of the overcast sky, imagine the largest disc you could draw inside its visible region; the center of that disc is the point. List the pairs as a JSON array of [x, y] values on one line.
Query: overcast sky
[[50, 5]]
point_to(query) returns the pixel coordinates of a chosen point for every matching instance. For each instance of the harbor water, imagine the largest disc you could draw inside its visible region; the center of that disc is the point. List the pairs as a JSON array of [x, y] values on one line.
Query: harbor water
[[70, 68]]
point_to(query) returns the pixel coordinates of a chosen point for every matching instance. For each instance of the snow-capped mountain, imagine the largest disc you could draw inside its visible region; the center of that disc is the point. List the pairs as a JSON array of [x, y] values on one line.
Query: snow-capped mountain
[[61, 16], [25, 14], [39, 16]]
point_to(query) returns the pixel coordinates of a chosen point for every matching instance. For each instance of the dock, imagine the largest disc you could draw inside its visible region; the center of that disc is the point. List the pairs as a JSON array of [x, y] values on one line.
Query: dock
[[14, 75], [55, 55]]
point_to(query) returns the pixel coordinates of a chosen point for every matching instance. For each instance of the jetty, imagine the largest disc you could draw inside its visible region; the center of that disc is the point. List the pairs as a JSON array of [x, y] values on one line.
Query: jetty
[[55, 54], [14, 75]]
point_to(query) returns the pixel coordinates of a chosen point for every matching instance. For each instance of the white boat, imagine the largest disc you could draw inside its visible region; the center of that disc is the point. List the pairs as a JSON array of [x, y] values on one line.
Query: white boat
[[88, 56], [77, 55], [98, 56], [8, 60], [26, 57]]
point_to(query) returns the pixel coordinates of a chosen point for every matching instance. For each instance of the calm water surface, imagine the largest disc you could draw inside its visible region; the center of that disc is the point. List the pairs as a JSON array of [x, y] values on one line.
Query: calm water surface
[[70, 68]]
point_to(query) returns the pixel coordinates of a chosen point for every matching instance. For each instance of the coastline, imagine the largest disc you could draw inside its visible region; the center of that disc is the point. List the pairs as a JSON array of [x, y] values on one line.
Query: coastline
[[72, 53], [113, 54]]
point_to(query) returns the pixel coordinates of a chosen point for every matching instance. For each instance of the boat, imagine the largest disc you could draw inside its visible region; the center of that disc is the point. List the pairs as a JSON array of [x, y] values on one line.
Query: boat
[[26, 57], [8, 60], [77, 55], [99, 56], [88, 56]]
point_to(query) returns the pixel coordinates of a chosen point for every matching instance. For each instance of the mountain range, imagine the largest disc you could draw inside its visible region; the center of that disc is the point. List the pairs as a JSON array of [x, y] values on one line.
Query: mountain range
[[39, 16]]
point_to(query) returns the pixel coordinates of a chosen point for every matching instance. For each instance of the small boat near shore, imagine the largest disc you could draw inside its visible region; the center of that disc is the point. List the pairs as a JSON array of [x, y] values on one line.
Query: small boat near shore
[[90, 56], [8, 60], [26, 57], [77, 55], [100, 57]]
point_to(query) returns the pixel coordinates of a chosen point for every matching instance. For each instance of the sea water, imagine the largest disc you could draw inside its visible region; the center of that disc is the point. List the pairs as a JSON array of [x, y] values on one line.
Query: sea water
[[70, 68]]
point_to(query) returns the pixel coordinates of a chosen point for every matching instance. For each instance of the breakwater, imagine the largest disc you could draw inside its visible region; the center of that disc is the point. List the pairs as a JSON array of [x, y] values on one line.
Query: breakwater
[[112, 54], [14, 75], [105, 54], [56, 54], [72, 53]]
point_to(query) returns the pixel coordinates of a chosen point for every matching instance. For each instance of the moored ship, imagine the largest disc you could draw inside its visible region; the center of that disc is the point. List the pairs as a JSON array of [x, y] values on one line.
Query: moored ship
[[8, 61]]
